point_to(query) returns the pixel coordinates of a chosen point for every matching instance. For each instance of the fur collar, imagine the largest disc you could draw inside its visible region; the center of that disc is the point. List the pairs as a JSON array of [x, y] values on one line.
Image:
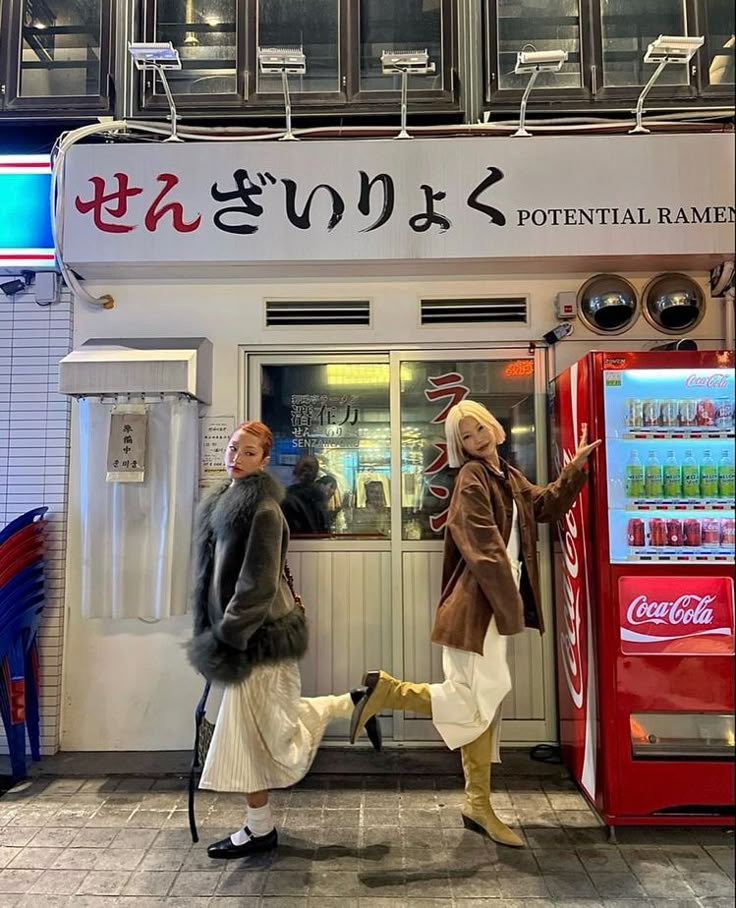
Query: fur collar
[[232, 505]]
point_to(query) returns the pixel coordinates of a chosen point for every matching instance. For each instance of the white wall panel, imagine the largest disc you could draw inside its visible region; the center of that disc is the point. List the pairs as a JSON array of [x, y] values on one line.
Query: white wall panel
[[347, 596]]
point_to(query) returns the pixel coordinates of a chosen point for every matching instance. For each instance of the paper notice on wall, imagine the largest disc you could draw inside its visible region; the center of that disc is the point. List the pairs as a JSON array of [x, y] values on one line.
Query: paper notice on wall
[[216, 430], [126, 444]]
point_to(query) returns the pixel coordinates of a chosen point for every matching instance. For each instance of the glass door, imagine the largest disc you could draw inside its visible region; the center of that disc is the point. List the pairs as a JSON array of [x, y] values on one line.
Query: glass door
[[425, 385], [329, 414], [359, 446]]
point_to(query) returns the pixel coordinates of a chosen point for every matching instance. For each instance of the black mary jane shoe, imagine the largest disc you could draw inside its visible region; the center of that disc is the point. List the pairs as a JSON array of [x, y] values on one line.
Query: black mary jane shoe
[[372, 726], [225, 850]]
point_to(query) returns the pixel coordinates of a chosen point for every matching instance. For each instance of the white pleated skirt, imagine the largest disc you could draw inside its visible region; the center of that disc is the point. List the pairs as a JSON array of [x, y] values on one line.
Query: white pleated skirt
[[266, 735]]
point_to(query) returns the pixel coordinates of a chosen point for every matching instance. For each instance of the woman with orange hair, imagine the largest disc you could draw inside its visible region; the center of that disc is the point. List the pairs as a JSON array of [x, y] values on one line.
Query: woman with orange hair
[[249, 633]]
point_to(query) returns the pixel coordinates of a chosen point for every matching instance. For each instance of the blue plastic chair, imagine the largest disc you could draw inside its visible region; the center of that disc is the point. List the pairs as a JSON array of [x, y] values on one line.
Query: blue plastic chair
[[18, 585], [16, 639], [20, 522]]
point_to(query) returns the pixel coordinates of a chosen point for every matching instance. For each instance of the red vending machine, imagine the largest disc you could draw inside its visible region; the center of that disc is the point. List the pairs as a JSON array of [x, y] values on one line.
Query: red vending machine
[[644, 577]]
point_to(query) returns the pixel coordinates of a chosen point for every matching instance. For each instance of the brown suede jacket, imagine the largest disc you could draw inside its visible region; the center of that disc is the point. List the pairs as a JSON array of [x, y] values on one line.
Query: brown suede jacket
[[477, 580]]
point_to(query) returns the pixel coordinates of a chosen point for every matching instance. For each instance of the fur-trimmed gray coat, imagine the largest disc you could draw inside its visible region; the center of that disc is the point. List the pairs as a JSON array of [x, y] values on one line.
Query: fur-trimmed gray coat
[[244, 612]]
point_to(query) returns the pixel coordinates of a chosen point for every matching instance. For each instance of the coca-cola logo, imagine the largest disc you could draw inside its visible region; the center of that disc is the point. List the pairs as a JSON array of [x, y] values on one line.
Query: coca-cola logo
[[569, 638], [706, 381], [676, 615], [687, 609]]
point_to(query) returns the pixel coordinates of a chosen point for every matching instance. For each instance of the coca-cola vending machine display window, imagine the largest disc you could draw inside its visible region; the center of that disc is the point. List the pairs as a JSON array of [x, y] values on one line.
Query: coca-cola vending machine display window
[[670, 456]]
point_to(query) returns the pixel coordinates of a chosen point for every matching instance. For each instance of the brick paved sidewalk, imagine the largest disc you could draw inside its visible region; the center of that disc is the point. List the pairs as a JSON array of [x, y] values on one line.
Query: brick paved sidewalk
[[346, 842]]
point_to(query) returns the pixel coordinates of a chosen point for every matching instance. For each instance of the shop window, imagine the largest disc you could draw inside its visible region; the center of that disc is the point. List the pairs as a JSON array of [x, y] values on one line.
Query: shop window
[[58, 54], [218, 42], [310, 24], [331, 446], [399, 25], [204, 32], [428, 390], [720, 44], [553, 25], [627, 28]]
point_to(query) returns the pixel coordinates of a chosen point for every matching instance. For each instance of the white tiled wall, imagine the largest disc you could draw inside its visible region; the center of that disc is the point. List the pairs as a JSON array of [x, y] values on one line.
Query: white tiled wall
[[34, 463]]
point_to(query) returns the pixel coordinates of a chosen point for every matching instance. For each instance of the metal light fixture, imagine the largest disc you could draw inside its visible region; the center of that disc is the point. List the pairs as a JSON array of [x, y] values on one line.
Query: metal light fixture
[[285, 61], [673, 303], [608, 304], [535, 62], [664, 50], [405, 63], [159, 56]]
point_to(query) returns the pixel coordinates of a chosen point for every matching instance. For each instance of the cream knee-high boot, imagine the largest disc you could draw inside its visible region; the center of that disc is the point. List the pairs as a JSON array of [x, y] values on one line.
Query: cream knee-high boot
[[384, 692], [478, 814]]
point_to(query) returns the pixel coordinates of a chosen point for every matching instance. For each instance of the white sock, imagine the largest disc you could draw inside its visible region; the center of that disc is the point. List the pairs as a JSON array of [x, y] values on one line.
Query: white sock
[[258, 821]]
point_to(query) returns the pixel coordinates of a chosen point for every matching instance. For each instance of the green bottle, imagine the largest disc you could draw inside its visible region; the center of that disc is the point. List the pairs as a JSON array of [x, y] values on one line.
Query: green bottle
[[690, 477], [653, 485], [708, 477], [634, 482], [726, 483], [672, 477]]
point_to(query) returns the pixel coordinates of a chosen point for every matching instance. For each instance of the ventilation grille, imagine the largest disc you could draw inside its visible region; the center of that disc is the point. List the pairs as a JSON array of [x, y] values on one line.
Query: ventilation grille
[[283, 313], [467, 311]]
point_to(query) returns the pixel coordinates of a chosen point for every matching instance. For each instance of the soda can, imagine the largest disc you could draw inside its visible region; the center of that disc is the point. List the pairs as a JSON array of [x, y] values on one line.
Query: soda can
[[650, 413], [669, 413], [657, 531], [728, 531], [688, 412], [691, 532], [724, 413], [674, 531], [634, 413], [706, 412], [711, 531], [635, 531]]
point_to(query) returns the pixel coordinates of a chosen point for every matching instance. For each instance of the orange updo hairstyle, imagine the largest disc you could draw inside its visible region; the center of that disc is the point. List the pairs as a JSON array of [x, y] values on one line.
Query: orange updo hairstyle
[[261, 432]]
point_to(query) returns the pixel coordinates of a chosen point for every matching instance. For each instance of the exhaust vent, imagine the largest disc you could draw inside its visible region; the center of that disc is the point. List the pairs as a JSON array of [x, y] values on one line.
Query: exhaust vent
[[287, 313], [496, 310]]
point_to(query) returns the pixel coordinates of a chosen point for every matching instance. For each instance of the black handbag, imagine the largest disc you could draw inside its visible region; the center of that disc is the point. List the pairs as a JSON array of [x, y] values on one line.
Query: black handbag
[[204, 729]]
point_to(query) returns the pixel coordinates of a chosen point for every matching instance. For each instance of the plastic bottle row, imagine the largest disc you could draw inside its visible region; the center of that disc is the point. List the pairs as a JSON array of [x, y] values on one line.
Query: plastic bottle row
[[673, 479]]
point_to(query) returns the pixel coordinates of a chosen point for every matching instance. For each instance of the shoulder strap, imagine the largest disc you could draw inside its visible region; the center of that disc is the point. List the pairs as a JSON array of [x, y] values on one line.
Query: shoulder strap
[[290, 581]]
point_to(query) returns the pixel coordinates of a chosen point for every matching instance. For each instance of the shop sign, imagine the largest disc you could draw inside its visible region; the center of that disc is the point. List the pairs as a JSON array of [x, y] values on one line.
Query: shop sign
[[26, 240], [451, 388], [126, 446], [324, 421], [676, 616], [376, 200]]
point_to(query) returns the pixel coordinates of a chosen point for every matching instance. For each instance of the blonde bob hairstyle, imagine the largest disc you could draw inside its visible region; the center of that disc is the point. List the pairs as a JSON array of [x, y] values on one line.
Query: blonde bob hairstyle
[[456, 455]]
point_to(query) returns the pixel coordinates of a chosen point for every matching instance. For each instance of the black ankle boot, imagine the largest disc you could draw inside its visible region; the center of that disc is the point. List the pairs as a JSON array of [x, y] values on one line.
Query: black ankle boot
[[225, 849], [372, 726]]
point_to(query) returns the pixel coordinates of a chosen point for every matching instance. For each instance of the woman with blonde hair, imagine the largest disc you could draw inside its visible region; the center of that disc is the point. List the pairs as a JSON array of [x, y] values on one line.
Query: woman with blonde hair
[[490, 590], [249, 633]]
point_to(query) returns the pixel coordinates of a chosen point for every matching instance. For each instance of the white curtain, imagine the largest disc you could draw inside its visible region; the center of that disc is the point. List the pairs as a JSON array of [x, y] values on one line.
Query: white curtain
[[137, 537]]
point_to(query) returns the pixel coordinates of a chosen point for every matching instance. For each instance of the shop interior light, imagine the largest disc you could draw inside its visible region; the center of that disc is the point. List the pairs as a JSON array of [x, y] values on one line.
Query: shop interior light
[[158, 56], [664, 50], [405, 63], [286, 61], [535, 62]]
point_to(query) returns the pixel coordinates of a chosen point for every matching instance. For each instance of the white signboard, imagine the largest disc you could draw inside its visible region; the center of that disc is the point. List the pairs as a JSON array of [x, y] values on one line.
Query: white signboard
[[386, 200], [126, 444], [216, 430]]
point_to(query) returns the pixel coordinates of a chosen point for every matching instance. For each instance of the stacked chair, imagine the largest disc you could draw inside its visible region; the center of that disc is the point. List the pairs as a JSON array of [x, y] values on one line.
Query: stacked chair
[[21, 604]]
